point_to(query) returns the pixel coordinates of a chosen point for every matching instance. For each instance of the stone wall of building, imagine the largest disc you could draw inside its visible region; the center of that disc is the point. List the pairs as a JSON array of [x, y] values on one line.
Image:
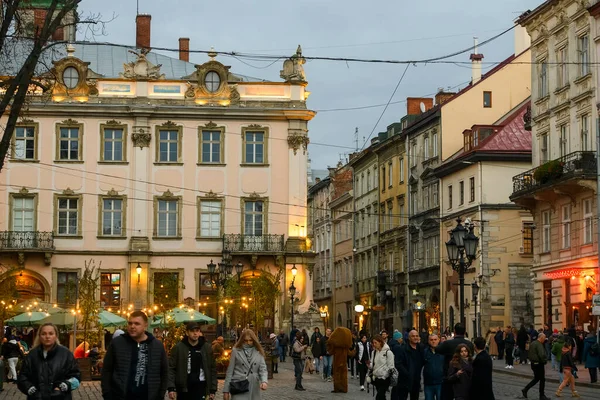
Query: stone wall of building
[[521, 294]]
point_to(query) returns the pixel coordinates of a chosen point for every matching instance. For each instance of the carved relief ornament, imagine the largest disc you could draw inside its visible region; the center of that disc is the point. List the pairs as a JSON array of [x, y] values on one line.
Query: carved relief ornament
[[79, 84], [293, 70], [297, 140], [141, 69], [141, 137]]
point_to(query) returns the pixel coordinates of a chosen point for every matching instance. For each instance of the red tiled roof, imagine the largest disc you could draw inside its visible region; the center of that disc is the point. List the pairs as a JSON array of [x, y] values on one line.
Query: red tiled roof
[[512, 137]]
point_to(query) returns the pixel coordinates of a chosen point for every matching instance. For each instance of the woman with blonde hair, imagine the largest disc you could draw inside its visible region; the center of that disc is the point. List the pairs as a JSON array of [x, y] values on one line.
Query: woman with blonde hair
[[246, 375], [49, 370]]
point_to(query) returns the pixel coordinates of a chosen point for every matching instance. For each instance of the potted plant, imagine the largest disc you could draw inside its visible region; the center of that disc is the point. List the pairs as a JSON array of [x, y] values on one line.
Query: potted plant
[[549, 171]]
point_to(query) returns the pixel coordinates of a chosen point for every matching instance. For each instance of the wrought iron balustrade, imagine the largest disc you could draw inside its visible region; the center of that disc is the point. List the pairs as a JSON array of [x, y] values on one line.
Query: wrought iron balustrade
[[238, 243], [579, 163], [12, 240]]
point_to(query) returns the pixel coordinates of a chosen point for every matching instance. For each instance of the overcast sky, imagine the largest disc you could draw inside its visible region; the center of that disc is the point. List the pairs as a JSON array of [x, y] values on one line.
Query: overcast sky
[[399, 29]]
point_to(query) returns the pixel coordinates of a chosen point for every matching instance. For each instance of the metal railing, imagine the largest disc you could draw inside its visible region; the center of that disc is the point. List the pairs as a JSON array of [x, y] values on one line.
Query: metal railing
[[238, 243], [12, 240], [573, 164]]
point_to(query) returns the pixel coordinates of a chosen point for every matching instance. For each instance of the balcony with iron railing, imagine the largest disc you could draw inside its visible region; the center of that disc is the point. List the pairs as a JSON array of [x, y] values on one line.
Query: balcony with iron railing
[[580, 165], [26, 241], [249, 244]]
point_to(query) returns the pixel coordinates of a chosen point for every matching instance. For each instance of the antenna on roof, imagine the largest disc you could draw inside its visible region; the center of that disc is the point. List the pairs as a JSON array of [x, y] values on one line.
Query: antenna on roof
[[356, 137], [137, 10]]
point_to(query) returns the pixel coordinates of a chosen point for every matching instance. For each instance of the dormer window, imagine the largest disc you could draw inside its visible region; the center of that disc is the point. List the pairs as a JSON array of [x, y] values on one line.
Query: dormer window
[[475, 136]]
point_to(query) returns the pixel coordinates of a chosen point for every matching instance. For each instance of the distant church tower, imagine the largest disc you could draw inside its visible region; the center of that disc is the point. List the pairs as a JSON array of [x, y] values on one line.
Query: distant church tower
[[31, 19]]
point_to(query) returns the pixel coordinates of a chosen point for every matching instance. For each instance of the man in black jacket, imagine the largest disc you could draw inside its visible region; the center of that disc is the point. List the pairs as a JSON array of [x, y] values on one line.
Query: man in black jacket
[[135, 364], [481, 381], [499, 339], [400, 391], [447, 349], [192, 367], [414, 352]]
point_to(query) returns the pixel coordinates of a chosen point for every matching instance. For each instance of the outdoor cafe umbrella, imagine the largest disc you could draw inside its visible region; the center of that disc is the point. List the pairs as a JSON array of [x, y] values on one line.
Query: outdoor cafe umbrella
[[29, 318], [182, 316], [38, 305], [108, 319], [63, 318]]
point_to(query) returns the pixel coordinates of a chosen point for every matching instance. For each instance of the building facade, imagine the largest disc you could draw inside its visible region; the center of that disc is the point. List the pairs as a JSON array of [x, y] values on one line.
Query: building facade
[[153, 168], [560, 189]]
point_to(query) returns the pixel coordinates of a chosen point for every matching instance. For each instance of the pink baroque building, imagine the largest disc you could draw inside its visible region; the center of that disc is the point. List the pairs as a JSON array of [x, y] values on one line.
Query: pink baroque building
[[156, 169]]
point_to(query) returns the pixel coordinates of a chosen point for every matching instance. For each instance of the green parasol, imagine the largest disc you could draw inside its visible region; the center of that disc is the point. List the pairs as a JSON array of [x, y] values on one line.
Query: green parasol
[[182, 316], [108, 319], [29, 318], [63, 318]]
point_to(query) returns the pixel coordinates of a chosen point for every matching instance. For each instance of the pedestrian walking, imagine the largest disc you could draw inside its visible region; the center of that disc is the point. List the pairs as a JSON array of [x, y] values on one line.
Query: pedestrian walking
[[556, 351], [491, 344], [11, 353], [509, 347], [326, 357], [414, 353], [567, 367], [246, 374], [49, 371], [316, 334], [299, 355], [352, 357], [135, 364], [401, 390], [499, 339], [433, 370], [192, 367], [382, 361], [363, 359], [460, 372], [317, 352], [274, 356], [548, 345], [591, 356], [481, 382], [522, 341], [537, 355], [447, 349], [292, 338], [283, 344]]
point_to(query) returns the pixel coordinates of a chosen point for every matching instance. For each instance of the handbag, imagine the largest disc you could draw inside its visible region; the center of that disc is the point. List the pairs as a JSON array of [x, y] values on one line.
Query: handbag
[[241, 386]]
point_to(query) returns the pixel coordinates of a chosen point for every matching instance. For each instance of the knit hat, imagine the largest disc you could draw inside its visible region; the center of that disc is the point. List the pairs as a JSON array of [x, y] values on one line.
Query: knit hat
[[272, 336], [397, 335]]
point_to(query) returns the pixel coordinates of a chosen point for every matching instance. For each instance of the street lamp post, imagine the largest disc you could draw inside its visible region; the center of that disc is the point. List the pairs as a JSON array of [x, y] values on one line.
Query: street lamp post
[[475, 292], [292, 290], [462, 249], [220, 276]]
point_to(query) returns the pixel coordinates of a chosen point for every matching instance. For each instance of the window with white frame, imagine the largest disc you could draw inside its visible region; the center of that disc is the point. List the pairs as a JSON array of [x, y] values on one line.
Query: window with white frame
[[543, 148], [167, 218], [254, 147], [566, 226], [546, 231], [585, 129], [434, 142], [69, 143], [414, 154], [390, 175], [112, 216], [425, 193], [254, 218], [563, 141], [113, 144], [434, 195], [211, 214], [401, 168], [543, 78], [583, 43], [211, 146], [426, 148], [562, 67], [168, 146], [368, 181], [68, 209], [24, 143], [588, 221]]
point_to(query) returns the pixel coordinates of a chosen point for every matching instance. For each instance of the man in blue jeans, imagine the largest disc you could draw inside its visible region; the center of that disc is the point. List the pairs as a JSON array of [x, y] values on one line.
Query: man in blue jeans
[[433, 370], [326, 358]]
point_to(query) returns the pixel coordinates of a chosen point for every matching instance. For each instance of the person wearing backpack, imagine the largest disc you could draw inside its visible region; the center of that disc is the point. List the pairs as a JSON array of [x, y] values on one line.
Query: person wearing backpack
[[557, 353], [382, 363], [591, 356]]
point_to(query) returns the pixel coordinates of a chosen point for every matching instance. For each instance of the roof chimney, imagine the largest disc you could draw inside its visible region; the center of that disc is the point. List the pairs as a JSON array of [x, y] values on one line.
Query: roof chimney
[[476, 64], [414, 107], [184, 49], [441, 97], [142, 31]]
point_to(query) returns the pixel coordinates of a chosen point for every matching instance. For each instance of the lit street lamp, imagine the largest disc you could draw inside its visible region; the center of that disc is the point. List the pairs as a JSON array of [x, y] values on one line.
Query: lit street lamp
[[462, 249], [219, 277], [292, 298]]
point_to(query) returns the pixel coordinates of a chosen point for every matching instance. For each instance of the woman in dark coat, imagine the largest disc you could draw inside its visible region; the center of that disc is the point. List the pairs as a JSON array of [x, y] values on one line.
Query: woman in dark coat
[[460, 372], [49, 371], [317, 352], [592, 361], [522, 339]]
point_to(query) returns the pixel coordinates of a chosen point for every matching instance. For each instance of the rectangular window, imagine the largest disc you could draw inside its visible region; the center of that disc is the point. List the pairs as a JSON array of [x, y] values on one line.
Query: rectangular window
[[254, 147], [253, 218], [24, 147], [66, 288], [401, 168], [390, 175], [401, 216], [383, 176], [23, 214], [168, 146], [414, 154], [68, 216], [562, 59], [472, 189], [461, 193], [69, 144], [588, 222], [543, 79], [211, 213], [434, 140], [112, 217], [425, 191], [585, 130], [166, 287], [563, 140], [426, 149], [584, 55], [110, 289], [449, 196], [543, 148], [368, 181], [113, 144], [434, 195], [546, 230], [413, 202], [427, 246], [527, 238], [211, 147], [167, 218], [487, 99], [566, 226]]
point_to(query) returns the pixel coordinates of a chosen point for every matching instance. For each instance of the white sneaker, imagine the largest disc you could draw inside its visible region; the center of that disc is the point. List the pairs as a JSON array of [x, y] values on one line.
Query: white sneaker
[[508, 366], [511, 367], [351, 376], [362, 388]]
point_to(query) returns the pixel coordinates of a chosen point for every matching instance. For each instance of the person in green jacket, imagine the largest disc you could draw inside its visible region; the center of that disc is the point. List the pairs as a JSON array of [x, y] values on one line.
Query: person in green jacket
[[537, 356], [557, 353]]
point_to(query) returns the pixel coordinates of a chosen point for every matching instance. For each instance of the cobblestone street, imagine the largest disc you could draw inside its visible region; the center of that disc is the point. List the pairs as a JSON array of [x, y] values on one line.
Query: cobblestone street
[[506, 386]]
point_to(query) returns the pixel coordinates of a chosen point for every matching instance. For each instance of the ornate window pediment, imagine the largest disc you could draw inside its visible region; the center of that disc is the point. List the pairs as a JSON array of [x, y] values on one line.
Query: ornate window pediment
[[211, 84], [71, 77]]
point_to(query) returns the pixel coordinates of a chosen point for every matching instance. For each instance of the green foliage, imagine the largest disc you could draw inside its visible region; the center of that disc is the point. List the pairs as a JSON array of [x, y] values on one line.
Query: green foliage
[[166, 289], [89, 284], [549, 171], [174, 336], [265, 291]]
